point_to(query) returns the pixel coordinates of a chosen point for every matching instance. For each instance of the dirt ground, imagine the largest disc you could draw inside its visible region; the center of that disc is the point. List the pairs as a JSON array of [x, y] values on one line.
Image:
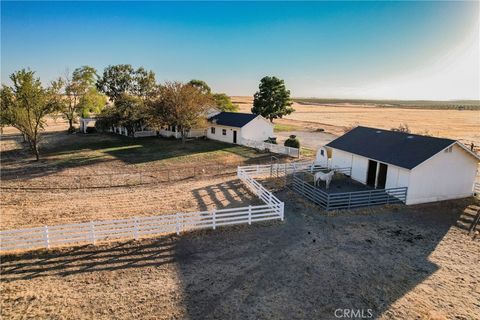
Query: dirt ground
[[23, 209], [460, 125], [400, 262]]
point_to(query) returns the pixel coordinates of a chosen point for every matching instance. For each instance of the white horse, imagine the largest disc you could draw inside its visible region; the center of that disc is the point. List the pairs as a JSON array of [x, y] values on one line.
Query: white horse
[[327, 177]]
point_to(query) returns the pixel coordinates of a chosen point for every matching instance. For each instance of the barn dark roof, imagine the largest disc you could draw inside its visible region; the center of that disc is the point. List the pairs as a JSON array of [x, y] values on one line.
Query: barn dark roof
[[397, 148], [232, 119]]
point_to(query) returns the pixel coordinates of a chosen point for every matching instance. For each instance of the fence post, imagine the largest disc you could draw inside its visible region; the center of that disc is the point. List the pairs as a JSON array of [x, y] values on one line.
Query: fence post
[[135, 228], [92, 232], [282, 211], [45, 236], [213, 218], [177, 223], [349, 199], [250, 214]]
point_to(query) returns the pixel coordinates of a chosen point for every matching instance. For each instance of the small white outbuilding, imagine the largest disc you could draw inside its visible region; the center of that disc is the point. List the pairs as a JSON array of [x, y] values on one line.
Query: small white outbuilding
[[433, 169], [236, 127]]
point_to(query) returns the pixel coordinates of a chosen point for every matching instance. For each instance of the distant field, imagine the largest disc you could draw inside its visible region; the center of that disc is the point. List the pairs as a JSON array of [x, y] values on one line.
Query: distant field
[[338, 115], [413, 104]]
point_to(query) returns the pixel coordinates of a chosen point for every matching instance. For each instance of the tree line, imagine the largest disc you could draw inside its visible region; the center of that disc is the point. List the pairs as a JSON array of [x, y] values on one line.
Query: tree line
[[123, 96]]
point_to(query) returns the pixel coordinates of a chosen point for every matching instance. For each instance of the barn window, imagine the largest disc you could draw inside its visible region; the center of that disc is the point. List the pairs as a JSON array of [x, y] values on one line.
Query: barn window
[[322, 153], [449, 149], [212, 130], [224, 132]]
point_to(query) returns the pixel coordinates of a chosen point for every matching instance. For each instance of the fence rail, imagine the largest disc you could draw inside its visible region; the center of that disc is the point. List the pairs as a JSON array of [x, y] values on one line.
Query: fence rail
[[137, 227], [349, 200], [275, 148], [476, 188]]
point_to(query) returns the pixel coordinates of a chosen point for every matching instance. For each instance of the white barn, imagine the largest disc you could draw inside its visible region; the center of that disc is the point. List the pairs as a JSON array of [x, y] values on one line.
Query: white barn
[[433, 169]]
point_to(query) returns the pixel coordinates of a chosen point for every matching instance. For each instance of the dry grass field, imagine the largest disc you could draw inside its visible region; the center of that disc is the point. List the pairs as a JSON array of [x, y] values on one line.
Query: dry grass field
[[26, 208], [334, 118]]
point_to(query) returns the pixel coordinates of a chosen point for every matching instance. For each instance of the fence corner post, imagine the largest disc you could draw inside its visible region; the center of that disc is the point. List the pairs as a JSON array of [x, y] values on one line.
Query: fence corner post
[[214, 219], [250, 214], [282, 211], [46, 237]]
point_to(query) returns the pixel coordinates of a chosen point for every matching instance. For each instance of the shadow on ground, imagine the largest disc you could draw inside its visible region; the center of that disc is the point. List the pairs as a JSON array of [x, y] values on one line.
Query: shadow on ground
[[228, 194], [303, 268], [61, 151]]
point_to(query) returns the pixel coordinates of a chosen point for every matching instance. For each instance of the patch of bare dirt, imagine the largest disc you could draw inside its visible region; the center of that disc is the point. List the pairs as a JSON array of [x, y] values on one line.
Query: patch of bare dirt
[[22, 209], [399, 262]]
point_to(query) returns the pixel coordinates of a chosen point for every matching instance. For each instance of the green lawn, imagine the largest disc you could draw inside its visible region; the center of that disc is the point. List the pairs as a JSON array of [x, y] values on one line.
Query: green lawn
[[284, 127], [80, 149]]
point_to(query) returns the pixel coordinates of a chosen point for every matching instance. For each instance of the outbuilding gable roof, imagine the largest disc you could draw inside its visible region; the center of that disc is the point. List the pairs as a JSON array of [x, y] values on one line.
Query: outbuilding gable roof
[[397, 148], [232, 119]]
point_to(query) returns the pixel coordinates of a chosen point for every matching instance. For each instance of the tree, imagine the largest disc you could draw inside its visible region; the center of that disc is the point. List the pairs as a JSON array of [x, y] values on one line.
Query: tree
[[128, 111], [224, 103], [123, 78], [91, 102], [77, 85], [26, 103], [272, 101], [292, 142], [200, 85], [181, 105]]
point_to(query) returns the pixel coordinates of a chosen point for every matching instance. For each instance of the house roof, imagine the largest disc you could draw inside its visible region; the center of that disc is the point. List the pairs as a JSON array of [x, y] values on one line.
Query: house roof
[[397, 148], [232, 119]]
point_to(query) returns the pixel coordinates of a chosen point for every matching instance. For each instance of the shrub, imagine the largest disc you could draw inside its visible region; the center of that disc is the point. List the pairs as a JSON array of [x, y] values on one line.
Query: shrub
[[271, 140], [292, 142]]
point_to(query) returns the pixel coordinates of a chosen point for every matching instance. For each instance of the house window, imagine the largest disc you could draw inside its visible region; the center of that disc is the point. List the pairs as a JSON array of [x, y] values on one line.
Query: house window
[[212, 130], [449, 149], [224, 132]]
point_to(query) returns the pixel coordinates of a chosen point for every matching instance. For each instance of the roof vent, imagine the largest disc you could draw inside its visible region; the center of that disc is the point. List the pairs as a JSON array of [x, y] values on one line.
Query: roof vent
[[409, 137], [378, 131]]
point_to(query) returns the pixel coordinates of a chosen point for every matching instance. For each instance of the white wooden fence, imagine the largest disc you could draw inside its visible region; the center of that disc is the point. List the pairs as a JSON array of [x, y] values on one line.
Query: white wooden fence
[[144, 133], [275, 148], [192, 133], [137, 227]]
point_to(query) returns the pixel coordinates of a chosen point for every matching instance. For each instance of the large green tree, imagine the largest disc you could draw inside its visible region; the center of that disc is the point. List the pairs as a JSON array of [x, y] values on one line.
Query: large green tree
[[221, 100], [91, 102], [128, 111], [224, 103], [200, 85], [26, 103], [181, 105], [272, 100], [124, 79], [77, 85]]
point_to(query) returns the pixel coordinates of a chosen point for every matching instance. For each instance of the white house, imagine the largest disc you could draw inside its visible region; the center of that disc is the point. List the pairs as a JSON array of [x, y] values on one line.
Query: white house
[[235, 127], [432, 168], [231, 127]]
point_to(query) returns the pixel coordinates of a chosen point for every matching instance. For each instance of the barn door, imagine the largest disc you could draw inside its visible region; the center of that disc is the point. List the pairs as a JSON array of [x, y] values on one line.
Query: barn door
[[371, 173], [234, 136], [382, 176]]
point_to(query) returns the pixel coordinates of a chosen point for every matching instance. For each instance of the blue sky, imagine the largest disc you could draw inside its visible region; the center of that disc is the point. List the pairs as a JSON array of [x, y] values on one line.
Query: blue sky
[[405, 50]]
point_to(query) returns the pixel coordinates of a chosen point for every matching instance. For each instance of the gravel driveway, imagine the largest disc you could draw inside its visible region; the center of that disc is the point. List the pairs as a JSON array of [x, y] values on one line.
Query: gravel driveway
[[309, 139]]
